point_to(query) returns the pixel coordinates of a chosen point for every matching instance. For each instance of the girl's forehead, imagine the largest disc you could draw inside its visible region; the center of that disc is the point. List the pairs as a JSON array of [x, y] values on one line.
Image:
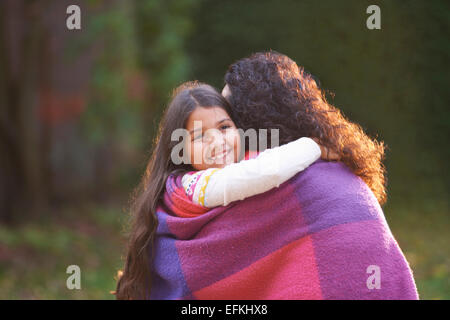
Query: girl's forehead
[[209, 116]]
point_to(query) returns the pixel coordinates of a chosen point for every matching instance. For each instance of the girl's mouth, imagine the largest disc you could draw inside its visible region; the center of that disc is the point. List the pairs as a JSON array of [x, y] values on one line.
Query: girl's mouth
[[220, 155]]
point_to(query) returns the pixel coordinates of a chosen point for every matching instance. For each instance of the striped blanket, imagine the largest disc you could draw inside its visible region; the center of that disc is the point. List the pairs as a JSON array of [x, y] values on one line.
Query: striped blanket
[[320, 235]]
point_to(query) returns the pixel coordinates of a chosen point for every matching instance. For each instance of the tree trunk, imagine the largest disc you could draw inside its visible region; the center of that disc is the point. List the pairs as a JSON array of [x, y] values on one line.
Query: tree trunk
[[21, 161]]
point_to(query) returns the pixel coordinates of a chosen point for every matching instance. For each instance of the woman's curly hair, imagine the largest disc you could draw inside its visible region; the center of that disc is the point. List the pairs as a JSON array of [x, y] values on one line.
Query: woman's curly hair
[[268, 90]]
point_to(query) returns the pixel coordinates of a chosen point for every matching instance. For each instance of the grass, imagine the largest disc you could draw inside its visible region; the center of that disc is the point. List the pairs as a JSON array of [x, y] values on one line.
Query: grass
[[34, 256], [422, 232]]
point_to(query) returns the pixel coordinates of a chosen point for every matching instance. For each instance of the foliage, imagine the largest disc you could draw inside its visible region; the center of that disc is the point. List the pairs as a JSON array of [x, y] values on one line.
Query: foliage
[[162, 28], [113, 110]]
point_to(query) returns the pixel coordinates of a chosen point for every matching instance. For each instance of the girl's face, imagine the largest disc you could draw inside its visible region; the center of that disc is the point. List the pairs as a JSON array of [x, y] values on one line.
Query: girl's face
[[214, 140]]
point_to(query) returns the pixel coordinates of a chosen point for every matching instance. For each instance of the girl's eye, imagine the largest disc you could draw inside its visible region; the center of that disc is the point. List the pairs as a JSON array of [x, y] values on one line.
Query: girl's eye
[[225, 126]]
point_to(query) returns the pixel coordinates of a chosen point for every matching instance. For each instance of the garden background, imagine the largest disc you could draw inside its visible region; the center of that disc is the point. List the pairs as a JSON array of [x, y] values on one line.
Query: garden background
[[79, 110]]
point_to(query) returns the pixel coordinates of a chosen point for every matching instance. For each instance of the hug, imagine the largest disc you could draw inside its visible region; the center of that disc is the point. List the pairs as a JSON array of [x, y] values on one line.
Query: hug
[[214, 218]]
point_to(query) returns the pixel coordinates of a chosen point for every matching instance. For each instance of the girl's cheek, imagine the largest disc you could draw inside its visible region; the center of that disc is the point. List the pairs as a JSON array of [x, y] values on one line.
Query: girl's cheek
[[197, 154], [237, 148], [234, 140]]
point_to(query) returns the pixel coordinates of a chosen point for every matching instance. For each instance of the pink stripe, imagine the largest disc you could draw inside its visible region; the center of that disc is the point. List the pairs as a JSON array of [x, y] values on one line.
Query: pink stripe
[[288, 273]]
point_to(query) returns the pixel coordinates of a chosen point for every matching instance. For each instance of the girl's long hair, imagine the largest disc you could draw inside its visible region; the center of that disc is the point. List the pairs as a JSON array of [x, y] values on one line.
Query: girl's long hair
[[269, 90], [135, 280]]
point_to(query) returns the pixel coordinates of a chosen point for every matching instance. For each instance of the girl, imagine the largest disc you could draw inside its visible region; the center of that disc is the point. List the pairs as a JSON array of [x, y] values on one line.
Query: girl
[[211, 173]]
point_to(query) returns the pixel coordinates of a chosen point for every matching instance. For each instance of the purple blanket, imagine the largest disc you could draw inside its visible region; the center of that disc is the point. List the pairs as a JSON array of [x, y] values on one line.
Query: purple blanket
[[320, 235]]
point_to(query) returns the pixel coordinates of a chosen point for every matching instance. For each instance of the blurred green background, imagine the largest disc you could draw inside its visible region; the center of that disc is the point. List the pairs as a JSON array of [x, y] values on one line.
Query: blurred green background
[[79, 110]]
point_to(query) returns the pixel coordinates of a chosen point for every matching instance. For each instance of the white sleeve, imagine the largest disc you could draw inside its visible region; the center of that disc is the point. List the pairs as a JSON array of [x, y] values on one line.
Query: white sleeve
[[247, 178]]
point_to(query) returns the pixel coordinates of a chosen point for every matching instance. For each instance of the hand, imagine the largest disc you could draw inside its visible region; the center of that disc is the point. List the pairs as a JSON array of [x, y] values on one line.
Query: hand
[[327, 153]]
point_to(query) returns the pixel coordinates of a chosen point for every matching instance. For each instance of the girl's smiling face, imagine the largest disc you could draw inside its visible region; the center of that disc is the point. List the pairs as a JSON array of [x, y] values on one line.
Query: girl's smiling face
[[214, 140]]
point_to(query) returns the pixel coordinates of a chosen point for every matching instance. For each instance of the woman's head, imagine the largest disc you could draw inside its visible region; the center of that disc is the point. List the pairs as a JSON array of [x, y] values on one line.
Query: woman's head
[[210, 139], [269, 90]]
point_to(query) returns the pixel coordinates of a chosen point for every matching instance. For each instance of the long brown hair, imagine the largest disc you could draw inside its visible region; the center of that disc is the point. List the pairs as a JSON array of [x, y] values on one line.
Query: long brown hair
[[135, 280], [269, 90]]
